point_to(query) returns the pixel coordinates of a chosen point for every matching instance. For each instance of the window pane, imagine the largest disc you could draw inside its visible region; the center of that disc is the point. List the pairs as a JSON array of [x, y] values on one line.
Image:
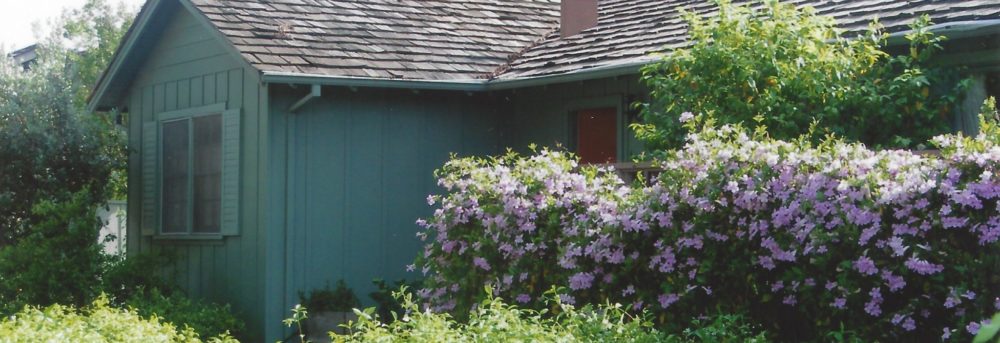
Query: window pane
[[207, 173], [175, 176], [597, 141]]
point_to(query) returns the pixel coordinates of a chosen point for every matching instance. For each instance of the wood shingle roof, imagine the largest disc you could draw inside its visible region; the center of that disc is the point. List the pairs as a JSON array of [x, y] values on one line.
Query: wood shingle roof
[[508, 39], [395, 39]]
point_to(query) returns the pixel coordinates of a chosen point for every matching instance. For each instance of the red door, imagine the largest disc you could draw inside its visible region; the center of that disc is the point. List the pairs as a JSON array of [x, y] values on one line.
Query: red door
[[597, 141]]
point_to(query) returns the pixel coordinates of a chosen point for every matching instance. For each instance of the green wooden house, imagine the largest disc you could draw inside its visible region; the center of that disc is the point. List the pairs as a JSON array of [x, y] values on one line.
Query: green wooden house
[[281, 145]]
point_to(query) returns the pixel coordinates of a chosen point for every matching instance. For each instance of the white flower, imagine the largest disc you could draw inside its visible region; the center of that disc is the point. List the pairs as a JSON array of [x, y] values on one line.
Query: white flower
[[686, 117]]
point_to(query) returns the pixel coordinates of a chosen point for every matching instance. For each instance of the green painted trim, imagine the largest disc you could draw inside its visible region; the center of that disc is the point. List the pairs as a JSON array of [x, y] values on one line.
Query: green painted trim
[[607, 101], [188, 236], [124, 50], [348, 81], [192, 112], [455, 85], [185, 115], [582, 75], [953, 30]]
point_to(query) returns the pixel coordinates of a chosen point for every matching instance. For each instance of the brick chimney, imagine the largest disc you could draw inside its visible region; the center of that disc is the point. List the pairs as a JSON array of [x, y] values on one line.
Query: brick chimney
[[577, 15]]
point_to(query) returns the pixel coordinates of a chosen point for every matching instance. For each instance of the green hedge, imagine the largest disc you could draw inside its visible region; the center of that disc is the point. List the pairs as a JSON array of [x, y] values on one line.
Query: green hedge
[[96, 323], [494, 320]]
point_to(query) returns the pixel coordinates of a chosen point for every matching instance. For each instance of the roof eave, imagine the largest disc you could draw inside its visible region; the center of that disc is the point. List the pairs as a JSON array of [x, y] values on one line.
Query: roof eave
[[467, 85], [124, 48], [953, 30]]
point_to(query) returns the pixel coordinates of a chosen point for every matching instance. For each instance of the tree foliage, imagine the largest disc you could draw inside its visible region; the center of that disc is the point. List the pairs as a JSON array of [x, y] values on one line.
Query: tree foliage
[[786, 69], [53, 148]]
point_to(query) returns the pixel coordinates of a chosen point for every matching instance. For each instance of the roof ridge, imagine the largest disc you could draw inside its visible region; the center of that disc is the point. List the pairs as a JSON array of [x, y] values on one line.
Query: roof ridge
[[517, 55]]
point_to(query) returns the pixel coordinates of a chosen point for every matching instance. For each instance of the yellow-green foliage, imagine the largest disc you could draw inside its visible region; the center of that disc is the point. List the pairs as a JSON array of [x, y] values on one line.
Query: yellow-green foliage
[[768, 64], [96, 323], [494, 320]]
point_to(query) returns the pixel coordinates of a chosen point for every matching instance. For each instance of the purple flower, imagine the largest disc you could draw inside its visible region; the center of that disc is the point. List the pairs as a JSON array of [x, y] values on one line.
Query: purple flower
[[865, 265], [789, 300], [923, 267], [581, 281], [951, 302], [567, 299], [973, 328], [839, 303], [523, 298], [894, 282], [481, 263], [947, 334], [628, 291], [667, 299], [874, 306]]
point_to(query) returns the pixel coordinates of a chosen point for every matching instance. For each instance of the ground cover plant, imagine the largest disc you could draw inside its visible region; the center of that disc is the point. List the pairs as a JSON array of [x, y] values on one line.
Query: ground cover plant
[[97, 322], [496, 320], [767, 63], [807, 239]]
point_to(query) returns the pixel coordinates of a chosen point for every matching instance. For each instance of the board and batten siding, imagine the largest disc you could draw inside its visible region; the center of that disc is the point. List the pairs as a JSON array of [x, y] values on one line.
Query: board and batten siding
[[355, 168], [191, 68], [542, 115]]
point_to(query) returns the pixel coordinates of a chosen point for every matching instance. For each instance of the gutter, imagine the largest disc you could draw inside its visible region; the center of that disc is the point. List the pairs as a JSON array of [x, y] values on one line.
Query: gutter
[[465, 85], [953, 30]]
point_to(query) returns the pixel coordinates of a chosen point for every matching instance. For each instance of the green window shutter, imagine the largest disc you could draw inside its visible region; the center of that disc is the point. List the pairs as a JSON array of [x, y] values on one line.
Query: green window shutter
[[150, 178], [231, 172]]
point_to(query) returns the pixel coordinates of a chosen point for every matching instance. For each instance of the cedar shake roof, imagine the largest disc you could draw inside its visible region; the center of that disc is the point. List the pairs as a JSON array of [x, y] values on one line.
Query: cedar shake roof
[[629, 30], [392, 39], [447, 40]]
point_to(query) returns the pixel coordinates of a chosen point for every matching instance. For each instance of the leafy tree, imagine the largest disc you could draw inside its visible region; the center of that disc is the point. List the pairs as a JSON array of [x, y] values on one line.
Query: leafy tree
[[53, 148], [55, 164], [787, 69]]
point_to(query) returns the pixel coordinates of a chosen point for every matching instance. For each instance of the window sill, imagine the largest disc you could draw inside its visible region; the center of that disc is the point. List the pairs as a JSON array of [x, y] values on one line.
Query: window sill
[[190, 238]]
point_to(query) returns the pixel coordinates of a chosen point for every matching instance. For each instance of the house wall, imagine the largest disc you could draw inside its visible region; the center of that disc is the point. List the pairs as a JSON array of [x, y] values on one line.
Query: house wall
[[189, 67], [979, 59], [350, 174], [541, 115]]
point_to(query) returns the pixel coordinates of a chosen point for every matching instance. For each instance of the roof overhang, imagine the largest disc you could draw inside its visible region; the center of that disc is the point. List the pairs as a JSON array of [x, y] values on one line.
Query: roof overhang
[[106, 92], [130, 54], [468, 85], [953, 30]]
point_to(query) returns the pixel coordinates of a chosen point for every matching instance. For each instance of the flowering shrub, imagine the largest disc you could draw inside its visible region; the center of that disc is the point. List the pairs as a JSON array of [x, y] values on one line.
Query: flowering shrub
[[807, 239]]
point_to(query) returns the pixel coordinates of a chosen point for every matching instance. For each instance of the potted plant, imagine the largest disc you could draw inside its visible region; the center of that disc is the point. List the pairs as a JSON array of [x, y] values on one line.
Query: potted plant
[[328, 309]]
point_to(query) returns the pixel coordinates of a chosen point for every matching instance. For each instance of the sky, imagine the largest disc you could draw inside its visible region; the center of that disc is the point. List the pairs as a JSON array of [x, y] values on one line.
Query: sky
[[18, 16]]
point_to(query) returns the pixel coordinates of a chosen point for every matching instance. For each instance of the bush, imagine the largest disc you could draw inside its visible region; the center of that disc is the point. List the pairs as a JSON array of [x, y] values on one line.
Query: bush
[[341, 299], [125, 278], [207, 319], [97, 323], [493, 320], [59, 262], [51, 149], [387, 305], [805, 239], [773, 65]]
